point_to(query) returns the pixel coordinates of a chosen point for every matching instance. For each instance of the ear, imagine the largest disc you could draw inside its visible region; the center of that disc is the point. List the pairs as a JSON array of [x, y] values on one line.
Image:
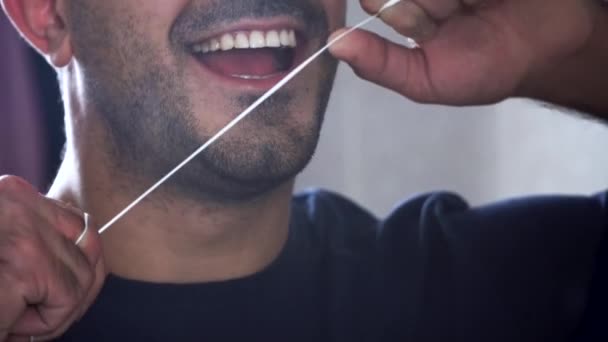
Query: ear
[[42, 24]]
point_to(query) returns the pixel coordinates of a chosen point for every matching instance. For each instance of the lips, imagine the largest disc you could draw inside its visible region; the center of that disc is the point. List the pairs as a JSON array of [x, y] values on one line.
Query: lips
[[257, 56]]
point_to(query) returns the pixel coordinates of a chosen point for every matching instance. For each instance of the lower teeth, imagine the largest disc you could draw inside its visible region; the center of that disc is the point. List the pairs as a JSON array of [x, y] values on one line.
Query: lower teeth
[[254, 77]]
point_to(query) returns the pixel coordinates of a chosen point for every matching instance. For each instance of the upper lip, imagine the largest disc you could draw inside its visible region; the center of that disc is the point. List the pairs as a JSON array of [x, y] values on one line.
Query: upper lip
[[248, 24]]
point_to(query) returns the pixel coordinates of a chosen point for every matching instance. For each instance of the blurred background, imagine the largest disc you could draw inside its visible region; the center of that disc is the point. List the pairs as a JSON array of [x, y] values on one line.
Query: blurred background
[[377, 147]]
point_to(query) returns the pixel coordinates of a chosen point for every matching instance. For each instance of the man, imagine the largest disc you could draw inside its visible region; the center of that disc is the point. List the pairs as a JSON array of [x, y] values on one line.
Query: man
[[222, 252]]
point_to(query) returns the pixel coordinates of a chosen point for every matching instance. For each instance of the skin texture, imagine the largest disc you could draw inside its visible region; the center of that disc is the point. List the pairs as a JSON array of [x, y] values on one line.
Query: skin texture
[[157, 109], [480, 52], [135, 104], [46, 281], [227, 216]]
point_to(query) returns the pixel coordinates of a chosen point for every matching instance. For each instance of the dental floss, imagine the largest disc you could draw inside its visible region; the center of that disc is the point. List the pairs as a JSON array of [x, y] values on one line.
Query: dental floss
[[85, 230], [245, 113]]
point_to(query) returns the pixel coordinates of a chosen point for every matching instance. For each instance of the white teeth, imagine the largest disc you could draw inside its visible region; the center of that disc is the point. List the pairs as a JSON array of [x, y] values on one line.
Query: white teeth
[[272, 39], [227, 42], [241, 41], [214, 45], [248, 40], [257, 40], [284, 37], [293, 41]]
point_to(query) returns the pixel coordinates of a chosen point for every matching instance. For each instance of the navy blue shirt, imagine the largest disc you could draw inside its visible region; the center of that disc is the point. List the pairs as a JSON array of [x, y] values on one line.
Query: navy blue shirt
[[434, 270]]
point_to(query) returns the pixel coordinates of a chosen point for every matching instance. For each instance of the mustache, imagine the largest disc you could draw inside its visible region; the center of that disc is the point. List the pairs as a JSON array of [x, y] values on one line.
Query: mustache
[[201, 16]]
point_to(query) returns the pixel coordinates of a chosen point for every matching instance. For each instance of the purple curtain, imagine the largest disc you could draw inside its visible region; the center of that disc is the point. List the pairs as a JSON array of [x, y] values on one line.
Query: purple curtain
[[22, 136]]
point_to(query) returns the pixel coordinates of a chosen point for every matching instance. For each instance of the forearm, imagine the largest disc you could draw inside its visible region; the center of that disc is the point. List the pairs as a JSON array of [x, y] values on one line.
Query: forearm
[[579, 82]]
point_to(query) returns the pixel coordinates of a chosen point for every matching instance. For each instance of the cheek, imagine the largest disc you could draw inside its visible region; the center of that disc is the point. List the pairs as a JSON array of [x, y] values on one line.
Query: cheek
[[149, 21], [158, 12], [336, 13]]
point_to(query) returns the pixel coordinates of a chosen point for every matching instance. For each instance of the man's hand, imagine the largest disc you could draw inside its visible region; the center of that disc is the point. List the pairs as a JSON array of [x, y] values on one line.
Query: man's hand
[[477, 51], [46, 280]]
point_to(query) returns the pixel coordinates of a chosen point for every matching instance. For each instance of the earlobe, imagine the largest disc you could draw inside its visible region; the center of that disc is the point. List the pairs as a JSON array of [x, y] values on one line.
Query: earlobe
[[43, 26], [60, 50]]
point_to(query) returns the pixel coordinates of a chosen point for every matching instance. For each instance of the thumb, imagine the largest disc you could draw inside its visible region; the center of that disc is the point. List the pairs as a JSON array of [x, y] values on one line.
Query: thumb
[[385, 63]]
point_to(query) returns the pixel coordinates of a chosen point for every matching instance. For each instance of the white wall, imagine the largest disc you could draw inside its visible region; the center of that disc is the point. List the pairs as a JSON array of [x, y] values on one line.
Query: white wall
[[379, 148]]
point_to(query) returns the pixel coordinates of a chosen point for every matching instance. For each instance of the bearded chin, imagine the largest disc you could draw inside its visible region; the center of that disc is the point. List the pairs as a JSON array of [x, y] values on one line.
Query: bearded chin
[[240, 166], [152, 125]]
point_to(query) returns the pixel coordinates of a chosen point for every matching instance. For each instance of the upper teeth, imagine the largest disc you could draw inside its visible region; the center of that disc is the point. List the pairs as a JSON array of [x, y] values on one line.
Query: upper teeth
[[248, 40]]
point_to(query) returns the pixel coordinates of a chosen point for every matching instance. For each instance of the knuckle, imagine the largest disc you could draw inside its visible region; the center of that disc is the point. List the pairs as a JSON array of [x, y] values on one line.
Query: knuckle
[[27, 257], [10, 184], [13, 213], [25, 246], [21, 257], [68, 221]]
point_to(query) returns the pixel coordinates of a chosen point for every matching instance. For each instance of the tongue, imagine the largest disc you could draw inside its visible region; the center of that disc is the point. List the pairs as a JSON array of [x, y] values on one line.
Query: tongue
[[248, 62]]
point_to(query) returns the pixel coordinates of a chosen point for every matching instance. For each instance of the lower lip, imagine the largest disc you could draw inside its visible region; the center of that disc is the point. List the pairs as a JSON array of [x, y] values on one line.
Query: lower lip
[[259, 84]]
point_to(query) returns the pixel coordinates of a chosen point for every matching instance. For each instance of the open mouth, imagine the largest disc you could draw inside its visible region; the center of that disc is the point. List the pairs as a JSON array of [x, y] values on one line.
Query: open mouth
[[250, 55]]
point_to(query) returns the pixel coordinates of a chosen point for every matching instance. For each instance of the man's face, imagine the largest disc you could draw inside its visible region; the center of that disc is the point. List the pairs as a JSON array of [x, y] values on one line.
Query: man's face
[[165, 75]]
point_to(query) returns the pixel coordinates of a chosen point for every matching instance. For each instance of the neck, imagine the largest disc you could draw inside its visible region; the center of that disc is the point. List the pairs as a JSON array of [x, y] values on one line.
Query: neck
[[170, 238]]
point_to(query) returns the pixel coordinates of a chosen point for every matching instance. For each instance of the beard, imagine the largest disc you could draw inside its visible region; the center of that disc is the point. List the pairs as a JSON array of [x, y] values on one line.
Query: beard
[[151, 121]]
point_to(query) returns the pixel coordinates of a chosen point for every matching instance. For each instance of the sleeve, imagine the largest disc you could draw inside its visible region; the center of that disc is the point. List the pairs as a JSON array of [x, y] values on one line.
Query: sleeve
[[514, 271]]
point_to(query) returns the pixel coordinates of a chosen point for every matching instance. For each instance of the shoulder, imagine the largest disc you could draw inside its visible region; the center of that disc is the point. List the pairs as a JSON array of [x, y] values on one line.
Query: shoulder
[[449, 209], [513, 270], [517, 270], [324, 205], [538, 220], [333, 220], [522, 227]]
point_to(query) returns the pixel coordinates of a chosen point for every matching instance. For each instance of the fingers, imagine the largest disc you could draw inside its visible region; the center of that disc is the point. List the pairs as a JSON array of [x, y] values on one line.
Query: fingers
[[69, 220], [54, 278], [12, 304], [100, 276], [47, 280], [420, 74], [385, 63], [78, 228], [93, 292], [419, 19], [406, 17], [23, 331], [439, 10]]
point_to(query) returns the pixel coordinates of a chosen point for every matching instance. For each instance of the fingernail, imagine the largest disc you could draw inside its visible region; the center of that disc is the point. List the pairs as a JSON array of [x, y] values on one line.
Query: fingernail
[[425, 27], [411, 20], [336, 45]]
